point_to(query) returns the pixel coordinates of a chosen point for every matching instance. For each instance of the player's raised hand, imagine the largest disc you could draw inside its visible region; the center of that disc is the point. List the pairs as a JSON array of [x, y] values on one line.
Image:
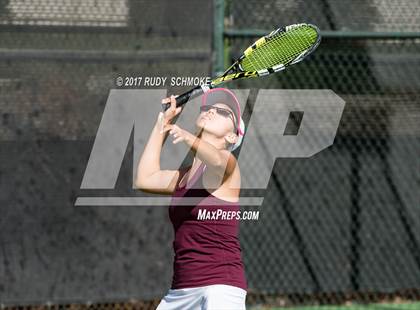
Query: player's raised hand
[[166, 117], [177, 133]]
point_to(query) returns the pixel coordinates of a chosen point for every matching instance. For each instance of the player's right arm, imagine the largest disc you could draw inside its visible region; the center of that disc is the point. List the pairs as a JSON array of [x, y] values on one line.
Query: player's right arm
[[149, 177]]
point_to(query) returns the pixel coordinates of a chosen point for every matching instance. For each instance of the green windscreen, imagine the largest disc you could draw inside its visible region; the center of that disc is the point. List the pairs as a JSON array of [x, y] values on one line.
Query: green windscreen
[[280, 48]]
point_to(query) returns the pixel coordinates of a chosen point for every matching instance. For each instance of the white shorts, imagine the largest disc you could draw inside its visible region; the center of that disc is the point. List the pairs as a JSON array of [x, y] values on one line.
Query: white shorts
[[210, 297]]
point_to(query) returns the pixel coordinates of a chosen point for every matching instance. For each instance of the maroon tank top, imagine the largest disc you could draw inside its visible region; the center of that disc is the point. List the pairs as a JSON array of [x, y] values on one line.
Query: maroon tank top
[[206, 251]]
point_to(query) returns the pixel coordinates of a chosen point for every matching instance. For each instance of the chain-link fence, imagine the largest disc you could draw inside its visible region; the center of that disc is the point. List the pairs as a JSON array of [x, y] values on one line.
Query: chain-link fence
[[58, 62], [339, 228], [58, 59], [342, 226]]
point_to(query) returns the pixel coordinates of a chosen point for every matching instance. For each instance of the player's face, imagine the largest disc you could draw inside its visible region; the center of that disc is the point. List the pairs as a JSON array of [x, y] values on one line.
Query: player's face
[[217, 119]]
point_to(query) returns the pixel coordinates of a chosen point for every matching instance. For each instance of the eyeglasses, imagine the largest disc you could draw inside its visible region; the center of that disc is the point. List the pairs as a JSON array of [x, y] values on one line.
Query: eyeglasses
[[220, 111]]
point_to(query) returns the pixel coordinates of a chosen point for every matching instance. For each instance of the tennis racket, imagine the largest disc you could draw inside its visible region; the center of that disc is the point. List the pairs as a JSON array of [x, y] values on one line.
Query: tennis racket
[[271, 53]]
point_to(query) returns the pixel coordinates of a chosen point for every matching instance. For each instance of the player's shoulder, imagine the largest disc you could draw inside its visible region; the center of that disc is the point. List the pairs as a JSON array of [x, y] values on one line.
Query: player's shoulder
[[229, 157]]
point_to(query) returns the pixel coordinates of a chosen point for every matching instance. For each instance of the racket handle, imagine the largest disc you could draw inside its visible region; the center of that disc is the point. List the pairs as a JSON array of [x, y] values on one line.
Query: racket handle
[[182, 99]]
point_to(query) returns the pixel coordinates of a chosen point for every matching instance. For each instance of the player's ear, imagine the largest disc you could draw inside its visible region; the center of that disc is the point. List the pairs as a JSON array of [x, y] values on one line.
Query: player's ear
[[231, 138]]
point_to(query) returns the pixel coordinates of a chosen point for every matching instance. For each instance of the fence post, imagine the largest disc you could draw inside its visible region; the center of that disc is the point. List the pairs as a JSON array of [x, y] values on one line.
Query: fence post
[[218, 33]]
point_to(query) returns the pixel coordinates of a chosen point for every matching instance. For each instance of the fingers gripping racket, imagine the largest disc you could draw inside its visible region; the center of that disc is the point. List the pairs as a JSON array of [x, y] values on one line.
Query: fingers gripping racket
[[271, 53]]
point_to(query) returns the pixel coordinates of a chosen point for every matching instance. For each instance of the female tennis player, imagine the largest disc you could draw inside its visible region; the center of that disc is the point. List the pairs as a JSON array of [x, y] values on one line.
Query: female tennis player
[[208, 271]]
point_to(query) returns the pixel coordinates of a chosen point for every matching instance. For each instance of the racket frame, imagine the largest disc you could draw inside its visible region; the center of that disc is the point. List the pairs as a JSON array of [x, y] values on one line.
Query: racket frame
[[235, 71]]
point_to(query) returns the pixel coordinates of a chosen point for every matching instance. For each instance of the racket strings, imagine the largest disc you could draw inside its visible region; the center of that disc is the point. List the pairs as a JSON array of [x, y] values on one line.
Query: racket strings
[[282, 48]]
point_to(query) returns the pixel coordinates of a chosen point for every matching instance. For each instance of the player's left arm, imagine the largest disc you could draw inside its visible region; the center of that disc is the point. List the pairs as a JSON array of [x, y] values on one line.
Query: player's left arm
[[222, 162]]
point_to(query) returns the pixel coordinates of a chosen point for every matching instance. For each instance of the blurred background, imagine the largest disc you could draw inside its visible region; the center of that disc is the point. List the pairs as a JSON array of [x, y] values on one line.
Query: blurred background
[[339, 229]]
